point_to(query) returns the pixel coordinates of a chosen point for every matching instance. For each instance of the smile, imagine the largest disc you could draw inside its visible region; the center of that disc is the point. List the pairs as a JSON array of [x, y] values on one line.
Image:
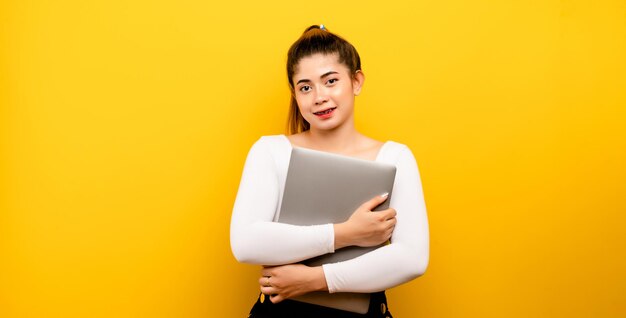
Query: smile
[[325, 112]]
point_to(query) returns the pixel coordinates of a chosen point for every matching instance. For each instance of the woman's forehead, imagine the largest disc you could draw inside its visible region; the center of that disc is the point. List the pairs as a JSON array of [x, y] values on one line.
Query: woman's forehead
[[318, 64]]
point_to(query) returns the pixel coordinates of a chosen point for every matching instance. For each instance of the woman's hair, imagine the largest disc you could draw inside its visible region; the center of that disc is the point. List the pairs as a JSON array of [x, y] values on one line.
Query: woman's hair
[[316, 40]]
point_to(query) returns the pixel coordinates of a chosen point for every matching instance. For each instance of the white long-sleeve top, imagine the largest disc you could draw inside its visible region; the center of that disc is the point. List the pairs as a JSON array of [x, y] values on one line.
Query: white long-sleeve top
[[256, 237]]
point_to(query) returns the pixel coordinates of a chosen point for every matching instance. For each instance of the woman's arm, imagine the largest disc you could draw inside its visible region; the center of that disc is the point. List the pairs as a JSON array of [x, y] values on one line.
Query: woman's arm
[[408, 254], [254, 237]]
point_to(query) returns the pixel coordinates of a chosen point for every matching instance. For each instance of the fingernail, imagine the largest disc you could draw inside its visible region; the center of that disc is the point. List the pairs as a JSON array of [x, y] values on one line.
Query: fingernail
[[384, 195]]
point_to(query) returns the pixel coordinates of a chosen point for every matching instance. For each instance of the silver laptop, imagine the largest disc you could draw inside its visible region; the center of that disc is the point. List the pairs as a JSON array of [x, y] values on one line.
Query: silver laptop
[[323, 187]]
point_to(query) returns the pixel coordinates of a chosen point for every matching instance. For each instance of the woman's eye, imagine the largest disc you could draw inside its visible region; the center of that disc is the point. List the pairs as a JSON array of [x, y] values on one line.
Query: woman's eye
[[332, 81], [305, 88]]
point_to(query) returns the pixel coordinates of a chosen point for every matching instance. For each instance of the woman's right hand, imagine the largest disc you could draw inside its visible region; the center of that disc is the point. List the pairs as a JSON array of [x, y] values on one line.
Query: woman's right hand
[[364, 227]]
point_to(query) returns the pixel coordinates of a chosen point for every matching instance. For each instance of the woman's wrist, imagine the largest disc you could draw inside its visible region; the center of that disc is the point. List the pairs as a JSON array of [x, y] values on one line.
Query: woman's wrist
[[318, 279], [342, 239]]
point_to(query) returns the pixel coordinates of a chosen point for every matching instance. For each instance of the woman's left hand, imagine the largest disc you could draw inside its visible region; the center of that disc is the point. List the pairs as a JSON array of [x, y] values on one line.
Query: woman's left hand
[[287, 281]]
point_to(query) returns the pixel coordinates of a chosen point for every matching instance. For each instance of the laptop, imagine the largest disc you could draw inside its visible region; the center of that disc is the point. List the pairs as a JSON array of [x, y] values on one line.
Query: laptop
[[323, 187]]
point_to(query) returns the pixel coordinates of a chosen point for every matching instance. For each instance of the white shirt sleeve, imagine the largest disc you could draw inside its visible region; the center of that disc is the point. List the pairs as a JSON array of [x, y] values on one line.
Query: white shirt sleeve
[[406, 257], [254, 237]]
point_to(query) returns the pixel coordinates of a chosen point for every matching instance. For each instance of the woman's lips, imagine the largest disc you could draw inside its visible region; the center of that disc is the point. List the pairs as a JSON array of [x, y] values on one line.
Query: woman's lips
[[325, 113]]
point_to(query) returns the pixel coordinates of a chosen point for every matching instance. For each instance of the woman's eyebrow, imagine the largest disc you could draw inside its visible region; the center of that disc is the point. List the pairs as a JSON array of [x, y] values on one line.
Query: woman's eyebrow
[[328, 73], [323, 75]]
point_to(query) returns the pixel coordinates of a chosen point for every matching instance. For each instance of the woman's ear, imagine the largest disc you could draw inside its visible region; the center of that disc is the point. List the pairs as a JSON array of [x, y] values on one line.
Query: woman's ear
[[357, 82]]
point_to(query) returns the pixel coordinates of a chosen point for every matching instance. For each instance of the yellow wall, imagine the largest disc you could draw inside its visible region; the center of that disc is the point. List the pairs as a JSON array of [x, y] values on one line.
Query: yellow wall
[[124, 127]]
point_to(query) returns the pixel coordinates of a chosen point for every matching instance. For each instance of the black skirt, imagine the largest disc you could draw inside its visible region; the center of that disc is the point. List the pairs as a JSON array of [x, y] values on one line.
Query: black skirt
[[264, 308]]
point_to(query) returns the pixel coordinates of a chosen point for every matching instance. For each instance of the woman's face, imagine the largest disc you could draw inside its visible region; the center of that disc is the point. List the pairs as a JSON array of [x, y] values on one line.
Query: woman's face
[[325, 91]]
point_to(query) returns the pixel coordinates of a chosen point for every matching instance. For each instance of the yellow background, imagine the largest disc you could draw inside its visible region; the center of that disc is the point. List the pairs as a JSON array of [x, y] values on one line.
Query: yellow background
[[124, 126]]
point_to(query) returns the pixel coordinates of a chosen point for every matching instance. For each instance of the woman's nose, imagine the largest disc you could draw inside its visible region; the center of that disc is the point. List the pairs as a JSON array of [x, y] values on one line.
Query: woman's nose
[[321, 97]]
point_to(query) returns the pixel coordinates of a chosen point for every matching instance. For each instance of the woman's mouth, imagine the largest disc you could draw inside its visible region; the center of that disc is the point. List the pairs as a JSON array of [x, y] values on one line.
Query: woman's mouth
[[325, 113]]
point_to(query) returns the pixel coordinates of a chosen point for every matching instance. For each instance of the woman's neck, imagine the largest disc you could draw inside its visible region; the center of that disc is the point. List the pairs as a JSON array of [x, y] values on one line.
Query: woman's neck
[[339, 140]]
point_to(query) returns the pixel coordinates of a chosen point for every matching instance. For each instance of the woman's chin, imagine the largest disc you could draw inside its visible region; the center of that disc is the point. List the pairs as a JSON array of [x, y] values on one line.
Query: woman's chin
[[325, 128]]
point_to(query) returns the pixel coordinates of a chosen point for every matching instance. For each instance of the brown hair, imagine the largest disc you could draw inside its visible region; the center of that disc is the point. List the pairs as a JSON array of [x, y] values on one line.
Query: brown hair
[[316, 40]]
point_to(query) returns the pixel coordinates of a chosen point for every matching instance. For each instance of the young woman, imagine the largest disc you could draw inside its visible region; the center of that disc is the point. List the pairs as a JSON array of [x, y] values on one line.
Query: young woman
[[324, 73]]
